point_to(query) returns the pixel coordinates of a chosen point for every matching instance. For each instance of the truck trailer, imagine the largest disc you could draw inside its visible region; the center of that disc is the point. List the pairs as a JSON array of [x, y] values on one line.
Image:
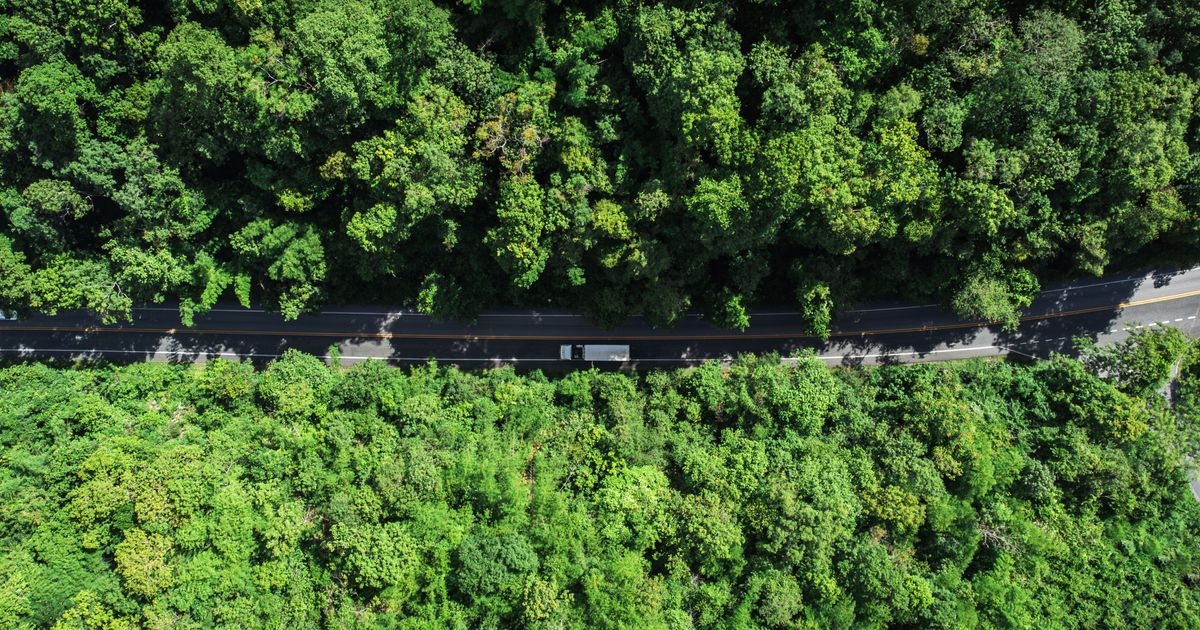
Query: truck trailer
[[592, 352]]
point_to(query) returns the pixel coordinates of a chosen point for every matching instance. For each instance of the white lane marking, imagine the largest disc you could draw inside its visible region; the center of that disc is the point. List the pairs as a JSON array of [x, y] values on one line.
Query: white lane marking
[[1192, 317], [481, 315], [528, 315], [212, 310], [1089, 286], [206, 354], [864, 310], [1108, 282], [400, 313], [163, 355], [525, 315], [897, 354], [1178, 319], [404, 313], [1092, 286]]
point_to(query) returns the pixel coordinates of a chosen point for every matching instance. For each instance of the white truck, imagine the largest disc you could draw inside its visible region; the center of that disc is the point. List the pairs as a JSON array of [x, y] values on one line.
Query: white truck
[[592, 352]]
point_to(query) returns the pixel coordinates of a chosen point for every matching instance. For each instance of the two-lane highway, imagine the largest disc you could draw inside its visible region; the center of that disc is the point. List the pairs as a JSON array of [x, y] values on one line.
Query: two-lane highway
[[1100, 308]]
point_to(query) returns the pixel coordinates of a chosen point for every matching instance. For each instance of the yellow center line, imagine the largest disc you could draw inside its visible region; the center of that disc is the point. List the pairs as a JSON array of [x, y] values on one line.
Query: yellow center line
[[666, 337]]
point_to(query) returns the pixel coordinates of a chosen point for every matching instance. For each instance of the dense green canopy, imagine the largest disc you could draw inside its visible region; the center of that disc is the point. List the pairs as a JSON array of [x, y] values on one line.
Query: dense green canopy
[[611, 156], [978, 494]]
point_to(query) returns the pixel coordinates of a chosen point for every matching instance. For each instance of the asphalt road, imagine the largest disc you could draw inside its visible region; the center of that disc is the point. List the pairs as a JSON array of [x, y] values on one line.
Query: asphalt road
[[1102, 309]]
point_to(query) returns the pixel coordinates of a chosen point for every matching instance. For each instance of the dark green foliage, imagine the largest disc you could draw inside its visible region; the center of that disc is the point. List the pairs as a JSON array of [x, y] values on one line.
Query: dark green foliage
[[979, 494], [612, 157]]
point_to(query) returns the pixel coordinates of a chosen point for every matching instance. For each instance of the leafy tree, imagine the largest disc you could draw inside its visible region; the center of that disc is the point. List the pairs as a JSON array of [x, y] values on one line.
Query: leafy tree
[[1140, 364], [523, 221], [612, 159], [761, 493], [17, 274], [296, 386], [197, 105], [288, 254], [142, 562], [43, 213], [995, 297], [343, 46]]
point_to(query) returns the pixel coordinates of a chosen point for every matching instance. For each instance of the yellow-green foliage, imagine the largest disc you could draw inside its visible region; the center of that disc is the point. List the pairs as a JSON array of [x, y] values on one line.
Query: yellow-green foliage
[[981, 494]]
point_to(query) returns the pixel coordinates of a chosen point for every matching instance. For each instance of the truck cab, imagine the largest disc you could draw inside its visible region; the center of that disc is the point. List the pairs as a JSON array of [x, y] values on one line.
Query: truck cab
[[571, 352]]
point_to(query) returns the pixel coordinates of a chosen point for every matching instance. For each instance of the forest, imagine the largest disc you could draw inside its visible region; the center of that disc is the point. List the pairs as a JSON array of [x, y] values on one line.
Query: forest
[[613, 157], [772, 494]]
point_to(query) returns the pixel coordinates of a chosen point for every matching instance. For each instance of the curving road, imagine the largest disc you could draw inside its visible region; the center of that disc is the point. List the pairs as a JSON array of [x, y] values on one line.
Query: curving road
[[1103, 309]]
